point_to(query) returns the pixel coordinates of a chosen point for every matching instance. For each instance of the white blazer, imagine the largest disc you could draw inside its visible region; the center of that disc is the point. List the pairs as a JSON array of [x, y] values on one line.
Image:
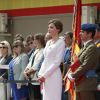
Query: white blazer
[[36, 64]]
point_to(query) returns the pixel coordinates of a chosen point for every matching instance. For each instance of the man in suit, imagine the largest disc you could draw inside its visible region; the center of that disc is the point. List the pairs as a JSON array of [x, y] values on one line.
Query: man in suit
[[88, 59], [68, 36], [97, 42]]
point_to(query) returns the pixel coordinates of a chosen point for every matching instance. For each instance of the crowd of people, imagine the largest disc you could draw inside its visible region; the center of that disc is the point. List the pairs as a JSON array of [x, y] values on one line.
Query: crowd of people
[[38, 58]]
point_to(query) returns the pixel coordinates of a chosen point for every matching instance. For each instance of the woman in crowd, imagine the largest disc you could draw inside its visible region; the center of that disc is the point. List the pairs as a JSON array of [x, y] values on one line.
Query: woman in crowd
[[47, 37], [50, 75], [19, 37], [5, 58], [31, 45], [34, 65], [16, 69]]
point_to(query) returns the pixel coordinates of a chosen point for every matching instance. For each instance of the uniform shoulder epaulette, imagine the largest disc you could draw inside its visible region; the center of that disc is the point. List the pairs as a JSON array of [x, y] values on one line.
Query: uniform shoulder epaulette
[[98, 44]]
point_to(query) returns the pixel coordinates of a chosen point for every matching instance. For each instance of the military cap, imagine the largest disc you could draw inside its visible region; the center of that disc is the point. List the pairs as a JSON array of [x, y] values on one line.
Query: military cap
[[88, 27]]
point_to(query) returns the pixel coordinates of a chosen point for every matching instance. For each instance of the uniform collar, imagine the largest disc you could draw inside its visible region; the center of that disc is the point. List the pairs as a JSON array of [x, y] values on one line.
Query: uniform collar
[[86, 43]]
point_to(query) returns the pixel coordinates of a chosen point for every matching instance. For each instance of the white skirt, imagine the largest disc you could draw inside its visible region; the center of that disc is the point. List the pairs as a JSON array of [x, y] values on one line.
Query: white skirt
[[52, 88]]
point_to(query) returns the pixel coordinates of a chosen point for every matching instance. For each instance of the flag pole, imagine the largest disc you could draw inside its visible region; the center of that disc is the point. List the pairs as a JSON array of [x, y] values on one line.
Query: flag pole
[[76, 26]]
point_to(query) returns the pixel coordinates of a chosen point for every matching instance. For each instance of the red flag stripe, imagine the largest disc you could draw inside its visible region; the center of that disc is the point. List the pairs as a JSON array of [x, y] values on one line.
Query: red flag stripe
[[76, 25]]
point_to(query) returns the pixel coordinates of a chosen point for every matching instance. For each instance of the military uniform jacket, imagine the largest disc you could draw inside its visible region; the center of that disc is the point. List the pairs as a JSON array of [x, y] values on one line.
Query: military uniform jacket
[[88, 58]]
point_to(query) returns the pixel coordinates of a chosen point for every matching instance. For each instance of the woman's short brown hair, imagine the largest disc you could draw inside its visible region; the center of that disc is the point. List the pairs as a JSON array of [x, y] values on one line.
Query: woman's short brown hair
[[29, 38], [40, 38], [18, 43], [58, 24], [18, 37]]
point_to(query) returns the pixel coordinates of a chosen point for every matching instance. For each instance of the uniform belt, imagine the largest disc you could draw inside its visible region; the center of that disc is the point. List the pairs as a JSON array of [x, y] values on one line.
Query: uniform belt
[[91, 73]]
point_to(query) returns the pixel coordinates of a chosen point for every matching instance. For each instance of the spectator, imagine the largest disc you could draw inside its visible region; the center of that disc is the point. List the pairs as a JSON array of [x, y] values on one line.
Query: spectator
[[18, 37], [31, 44], [34, 65], [16, 69], [47, 37], [97, 42], [6, 56], [68, 36]]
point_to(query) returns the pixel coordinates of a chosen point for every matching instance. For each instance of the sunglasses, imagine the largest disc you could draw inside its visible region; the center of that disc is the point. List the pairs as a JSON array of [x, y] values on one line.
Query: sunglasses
[[2, 43], [3, 47], [30, 43], [15, 46]]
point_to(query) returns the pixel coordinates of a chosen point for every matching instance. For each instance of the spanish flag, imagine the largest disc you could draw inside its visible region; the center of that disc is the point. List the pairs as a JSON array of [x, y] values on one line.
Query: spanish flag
[[76, 26]]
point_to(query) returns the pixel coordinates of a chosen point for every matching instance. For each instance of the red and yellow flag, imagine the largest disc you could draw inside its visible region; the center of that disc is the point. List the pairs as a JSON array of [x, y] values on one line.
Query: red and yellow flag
[[76, 26]]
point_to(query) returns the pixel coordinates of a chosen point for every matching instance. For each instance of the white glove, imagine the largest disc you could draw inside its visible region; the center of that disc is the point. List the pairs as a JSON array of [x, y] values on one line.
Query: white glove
[[98, 87], [71, 77]]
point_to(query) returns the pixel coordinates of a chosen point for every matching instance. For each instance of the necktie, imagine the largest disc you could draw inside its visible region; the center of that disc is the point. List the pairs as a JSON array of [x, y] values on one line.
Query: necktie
[[33, 58], [67, 55]]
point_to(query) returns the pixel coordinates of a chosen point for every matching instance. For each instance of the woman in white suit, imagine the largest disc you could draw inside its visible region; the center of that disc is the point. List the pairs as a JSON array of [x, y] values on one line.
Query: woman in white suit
[[50, 75]]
